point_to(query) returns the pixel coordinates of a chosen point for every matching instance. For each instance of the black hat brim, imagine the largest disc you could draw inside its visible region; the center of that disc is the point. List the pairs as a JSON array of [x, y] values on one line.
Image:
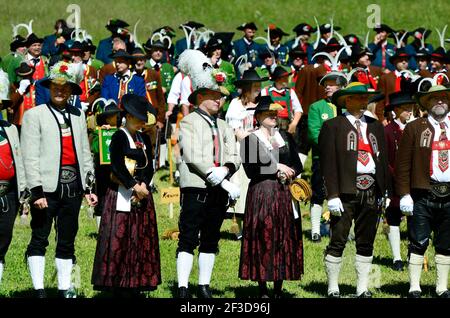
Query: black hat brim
[[76, 89], [193, 97]]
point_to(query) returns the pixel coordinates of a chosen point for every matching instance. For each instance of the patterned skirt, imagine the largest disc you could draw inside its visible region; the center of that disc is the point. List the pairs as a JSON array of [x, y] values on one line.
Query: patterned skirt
[[272, 246], [127, 254]]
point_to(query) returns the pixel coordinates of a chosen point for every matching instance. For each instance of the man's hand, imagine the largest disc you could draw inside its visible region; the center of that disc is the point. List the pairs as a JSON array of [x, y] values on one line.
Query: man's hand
[[233, 190], [335, 206], [168, 113], [41, 204], [407, 205], [23, 85], [292, 128], [91, 199], [216, 175], [159, 125]]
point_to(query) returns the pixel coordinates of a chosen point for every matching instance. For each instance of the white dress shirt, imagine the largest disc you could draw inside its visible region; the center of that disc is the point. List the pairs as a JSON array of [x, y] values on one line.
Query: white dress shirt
[[360, 168], [438, 175]]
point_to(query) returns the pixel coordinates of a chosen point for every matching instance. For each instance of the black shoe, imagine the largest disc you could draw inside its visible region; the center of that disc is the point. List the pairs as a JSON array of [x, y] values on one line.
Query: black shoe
[[445, 294], [204, 292], [414, 294], [316, 238], [40, 293], [183, 292], [68, 293], [334, 295], [366, 294], [398, 266]]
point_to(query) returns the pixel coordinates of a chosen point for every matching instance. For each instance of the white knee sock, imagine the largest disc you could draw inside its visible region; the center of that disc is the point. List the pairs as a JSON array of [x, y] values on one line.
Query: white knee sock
[[415, 270], [362, 265], [442, 268], [64, 271], [98, 220], [205, 267], [316, 214], [1, 272], [36, 264], [394, 240], [333, 267], [184, 267]]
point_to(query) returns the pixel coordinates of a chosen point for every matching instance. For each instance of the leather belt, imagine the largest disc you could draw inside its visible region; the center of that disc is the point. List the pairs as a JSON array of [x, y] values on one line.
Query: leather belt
[[5, 187], [439, 190], [365, 181], [68, 174]]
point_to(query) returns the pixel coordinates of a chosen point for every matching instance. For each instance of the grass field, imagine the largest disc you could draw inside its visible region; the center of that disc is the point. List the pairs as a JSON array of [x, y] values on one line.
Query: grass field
[[351, 15], [385, 282]]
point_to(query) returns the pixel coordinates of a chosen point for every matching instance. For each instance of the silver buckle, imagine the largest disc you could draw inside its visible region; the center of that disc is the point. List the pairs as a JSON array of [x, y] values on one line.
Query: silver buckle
[[68, 174], [364, 181]]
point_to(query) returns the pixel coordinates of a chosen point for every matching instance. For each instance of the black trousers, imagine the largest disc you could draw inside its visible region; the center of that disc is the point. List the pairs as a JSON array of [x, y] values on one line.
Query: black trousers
[[393, 216], [317, 184], [8, 213], [429, 216], [64, 209], [362, 208], [202, 212]]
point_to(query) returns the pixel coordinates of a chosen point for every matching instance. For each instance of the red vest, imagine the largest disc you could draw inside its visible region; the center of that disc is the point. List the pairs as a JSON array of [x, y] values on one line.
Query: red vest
[[6, 161]]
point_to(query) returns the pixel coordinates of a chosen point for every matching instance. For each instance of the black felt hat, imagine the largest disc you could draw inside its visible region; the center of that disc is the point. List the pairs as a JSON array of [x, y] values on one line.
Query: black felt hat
[[32, 39], [137, 106], [249, 76], [247, 25], [303, 28]]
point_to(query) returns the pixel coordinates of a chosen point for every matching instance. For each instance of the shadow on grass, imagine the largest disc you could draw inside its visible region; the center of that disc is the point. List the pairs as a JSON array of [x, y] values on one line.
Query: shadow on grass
[[173, 287], [242, 292], [93, 235], [321, 289], [383, 261], [401, 289], [30, 293]]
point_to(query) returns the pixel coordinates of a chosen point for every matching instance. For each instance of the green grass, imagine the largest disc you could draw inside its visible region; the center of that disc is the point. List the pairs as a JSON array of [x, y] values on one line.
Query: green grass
[[225, 281], [351, 15]]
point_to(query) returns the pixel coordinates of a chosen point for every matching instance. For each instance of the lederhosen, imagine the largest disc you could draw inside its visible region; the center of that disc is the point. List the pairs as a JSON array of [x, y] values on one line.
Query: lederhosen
[[8, 194], [202, 210], [63, 204], [361, 207], [431, 210]]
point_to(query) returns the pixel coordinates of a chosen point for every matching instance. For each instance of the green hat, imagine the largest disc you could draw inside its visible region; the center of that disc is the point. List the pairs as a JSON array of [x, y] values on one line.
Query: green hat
[[423, 97], [354, 88]]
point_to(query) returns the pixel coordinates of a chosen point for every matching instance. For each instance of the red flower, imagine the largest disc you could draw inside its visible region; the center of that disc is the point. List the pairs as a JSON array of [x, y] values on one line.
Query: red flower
[[220, 78], [63, 68], [139, 145]]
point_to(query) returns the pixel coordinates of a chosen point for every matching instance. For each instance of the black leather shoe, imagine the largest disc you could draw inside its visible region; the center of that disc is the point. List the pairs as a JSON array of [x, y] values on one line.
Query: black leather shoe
[[40, 293], [316, 238], [183, 292], [445, 294], [334, 295], [414, 294], [366, 294], [204, 292], [398, 266]]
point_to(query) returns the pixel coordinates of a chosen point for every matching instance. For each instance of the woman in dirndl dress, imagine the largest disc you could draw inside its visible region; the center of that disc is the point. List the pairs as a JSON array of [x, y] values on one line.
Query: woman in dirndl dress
[[127, 258], [272, 247], [240, 117]]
